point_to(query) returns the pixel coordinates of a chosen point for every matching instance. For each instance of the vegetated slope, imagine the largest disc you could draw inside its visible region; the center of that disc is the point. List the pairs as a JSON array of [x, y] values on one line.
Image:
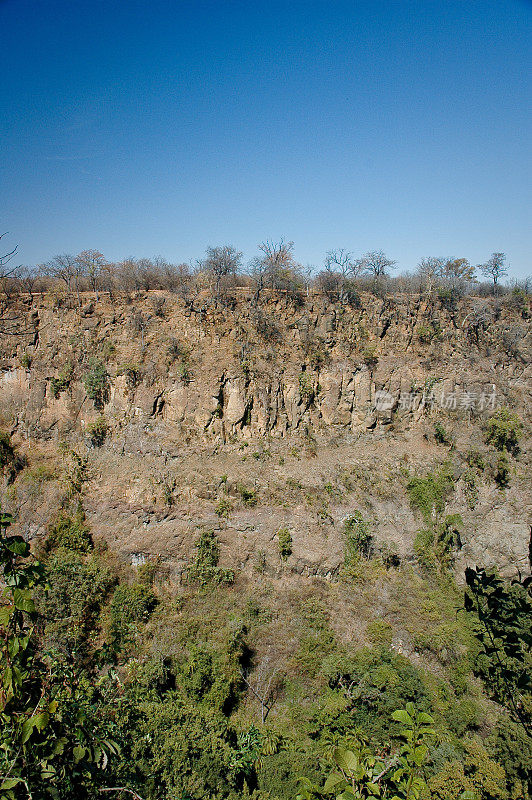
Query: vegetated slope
[[330, 470]]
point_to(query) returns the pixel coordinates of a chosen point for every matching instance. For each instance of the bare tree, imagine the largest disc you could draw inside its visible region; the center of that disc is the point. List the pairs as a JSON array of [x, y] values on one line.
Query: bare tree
[[66, 269], [494, 268], [6, 268], [91, 264], [341, 267], [265, 686], [28, 277], [220, 263], [276, 267], [430, 270], [375, 263]]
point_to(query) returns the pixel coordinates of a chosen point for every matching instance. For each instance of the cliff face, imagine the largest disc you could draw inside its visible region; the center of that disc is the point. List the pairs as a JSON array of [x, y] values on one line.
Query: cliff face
[[315, 411]]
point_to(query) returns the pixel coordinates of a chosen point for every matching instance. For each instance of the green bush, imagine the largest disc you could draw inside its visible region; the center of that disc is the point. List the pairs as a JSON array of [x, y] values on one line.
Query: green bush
[[69, 531], [380, 633], [426, 333], [359, 541], [428, 494], [223, 507], [370, 357], [284, 542], [503, 430], [131, 604], [306, 387], [248, 496], [441, 435], [204, 569], [78, 585], [62, 382], [96, 382], [97, 431], [501, 471]]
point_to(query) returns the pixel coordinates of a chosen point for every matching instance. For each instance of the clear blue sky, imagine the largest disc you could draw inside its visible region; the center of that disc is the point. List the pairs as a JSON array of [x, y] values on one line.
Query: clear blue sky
[[161, 127]]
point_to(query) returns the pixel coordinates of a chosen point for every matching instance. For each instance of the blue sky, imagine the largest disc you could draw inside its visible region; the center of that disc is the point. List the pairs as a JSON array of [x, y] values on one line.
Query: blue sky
[[142, 128]]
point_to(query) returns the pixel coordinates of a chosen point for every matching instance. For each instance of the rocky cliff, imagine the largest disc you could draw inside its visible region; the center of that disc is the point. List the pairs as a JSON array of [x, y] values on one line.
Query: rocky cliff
[[249, 418]]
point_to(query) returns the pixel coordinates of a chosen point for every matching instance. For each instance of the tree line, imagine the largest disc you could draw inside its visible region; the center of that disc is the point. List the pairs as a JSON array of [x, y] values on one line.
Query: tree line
[[276, 268]]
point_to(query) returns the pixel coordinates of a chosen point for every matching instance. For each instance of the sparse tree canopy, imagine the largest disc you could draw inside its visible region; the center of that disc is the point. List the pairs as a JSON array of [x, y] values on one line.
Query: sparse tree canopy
[[494, 268], [276, 267], [221, 262], [375, 263]]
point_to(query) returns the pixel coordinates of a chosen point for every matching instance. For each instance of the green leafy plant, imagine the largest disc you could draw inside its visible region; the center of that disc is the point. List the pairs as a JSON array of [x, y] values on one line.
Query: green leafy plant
[[284, 542], [359, 541], [97, 431], [248, 496], [428, 494], [503, 610], [306, 387], [441, 435], [50, 740], [503, 431], [69, 531], [223, 507], [62, 382], [360, 773], [204, 569], [96, 382]]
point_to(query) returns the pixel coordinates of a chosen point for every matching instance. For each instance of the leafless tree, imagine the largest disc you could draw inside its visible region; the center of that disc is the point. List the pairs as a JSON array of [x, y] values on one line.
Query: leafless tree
[[28, 277], [494, 268], [6, 267], [66, 269], [430, 270], [265, 685], [375, 263], [91, 264], [220, 263], [342, 268], [276, 267]]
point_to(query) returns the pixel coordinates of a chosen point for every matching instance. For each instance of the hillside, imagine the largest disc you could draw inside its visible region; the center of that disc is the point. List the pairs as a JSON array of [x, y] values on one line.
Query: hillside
[[346, 461]]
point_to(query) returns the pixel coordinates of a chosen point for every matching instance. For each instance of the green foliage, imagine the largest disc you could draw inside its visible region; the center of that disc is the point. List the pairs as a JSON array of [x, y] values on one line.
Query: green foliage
[[78, 586], [504, 611], [52, 747], [503, 430], [69, 531], [306, 387], [429, 494], [380, 633], [361, 773], [130, 605], [441, 435], [359, 541], [370, 357], [97, 431], [284, 542], [26, 360], [426, 333], [248, 496], [205, 569], [63, 381], [223, 507], [96, 382], [316, 640], [501, 472]]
